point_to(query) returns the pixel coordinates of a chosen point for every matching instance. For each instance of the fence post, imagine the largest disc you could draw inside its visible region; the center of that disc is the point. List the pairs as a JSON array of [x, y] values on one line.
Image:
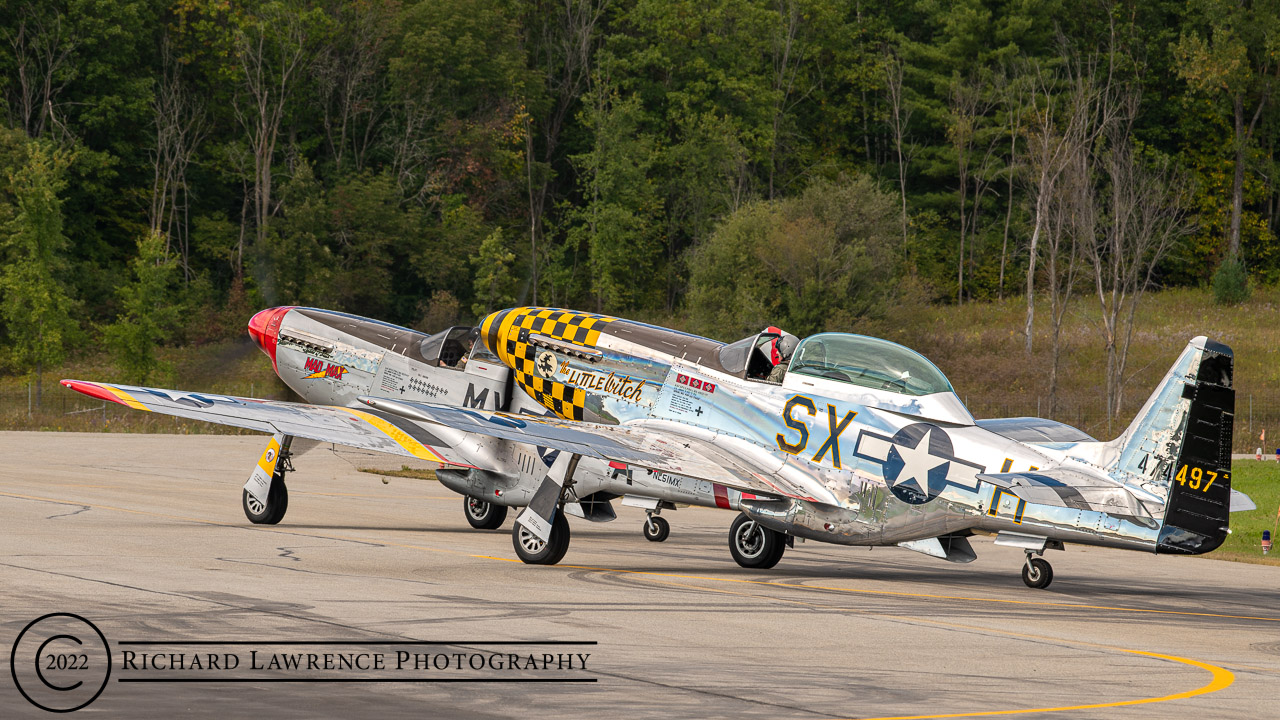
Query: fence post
[[1250, 418], [28, 401]]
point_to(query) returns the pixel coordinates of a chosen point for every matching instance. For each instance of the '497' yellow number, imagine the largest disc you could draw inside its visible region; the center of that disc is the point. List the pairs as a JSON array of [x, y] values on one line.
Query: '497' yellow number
[[1196, 478]]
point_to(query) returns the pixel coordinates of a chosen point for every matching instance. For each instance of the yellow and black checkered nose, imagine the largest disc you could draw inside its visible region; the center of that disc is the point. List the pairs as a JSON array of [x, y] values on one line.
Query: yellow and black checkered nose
[[489, 329], [508, 335]]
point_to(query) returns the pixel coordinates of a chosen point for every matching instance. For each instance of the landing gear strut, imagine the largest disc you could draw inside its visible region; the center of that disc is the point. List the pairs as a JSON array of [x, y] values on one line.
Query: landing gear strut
[[483, 515], [754, 545], [656, 528], [1037, 572]]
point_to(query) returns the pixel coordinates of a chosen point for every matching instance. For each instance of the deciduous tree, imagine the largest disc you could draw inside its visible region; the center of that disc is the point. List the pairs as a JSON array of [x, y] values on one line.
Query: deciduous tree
[[38, 310], [149, 311]]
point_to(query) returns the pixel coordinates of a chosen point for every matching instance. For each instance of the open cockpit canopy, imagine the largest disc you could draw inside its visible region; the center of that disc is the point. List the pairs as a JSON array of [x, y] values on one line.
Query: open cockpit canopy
[[448, 347], [868, 362]]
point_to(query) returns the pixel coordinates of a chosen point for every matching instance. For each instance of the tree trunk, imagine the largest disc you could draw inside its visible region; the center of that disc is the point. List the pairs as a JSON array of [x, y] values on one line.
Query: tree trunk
[[1055, 344], [1008, 215], [1031, 266], [1237, 184], [902, 186], [533, 209], [960, 265]]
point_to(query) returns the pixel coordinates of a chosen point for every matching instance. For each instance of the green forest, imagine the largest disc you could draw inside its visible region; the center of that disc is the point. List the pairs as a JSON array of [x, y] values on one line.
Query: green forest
[[168, 167]]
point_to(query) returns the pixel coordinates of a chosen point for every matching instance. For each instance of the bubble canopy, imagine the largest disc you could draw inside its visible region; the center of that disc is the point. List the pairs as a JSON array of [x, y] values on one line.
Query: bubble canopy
[[868, 362]]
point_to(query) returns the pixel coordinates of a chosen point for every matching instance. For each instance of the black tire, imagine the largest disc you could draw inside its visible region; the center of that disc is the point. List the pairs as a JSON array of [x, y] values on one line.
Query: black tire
[[483, 515], [1037, 573], [562, 538], [755, 546], [275, 509], [532, 551], [657, 529]]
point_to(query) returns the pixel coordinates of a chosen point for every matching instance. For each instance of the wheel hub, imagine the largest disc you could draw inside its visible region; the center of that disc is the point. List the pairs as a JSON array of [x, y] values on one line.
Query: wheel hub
[[530, 542], [750, 539]]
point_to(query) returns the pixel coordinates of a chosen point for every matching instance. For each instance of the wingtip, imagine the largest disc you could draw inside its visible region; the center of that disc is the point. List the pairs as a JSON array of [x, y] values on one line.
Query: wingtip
[[92, 390]]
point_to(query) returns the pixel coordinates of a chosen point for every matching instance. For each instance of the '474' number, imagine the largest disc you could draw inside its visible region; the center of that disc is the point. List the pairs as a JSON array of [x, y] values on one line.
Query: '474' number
[[1196, 478]]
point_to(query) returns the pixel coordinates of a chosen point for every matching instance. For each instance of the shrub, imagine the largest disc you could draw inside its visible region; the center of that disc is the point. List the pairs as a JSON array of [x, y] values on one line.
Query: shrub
[[1231, 282]]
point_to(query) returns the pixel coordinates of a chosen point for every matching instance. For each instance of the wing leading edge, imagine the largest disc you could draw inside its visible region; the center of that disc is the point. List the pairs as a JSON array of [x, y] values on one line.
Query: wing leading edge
[[665, 449], [368, 429]]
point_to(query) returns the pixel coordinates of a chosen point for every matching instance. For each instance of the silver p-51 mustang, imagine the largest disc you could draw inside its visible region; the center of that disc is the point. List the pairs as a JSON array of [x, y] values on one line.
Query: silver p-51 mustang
[[863, 442]]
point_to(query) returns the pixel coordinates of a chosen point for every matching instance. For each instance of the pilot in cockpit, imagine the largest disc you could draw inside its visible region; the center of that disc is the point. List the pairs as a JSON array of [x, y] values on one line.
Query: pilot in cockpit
[[782, 350], [772, 353]]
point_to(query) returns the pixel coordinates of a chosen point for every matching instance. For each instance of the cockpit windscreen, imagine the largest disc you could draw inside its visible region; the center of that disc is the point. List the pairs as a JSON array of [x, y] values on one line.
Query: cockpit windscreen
[[868, 362]]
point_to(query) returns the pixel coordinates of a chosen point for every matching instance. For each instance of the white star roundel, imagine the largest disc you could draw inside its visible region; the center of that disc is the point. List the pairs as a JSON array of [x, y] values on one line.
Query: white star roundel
[[917, 462]]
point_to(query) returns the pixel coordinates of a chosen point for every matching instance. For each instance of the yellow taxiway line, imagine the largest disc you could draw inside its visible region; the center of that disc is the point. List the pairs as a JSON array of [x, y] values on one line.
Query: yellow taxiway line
[[1222, 679]]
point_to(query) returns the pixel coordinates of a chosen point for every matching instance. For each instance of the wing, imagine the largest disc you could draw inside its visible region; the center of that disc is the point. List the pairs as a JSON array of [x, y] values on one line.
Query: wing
[[657, 445], [369, 429]]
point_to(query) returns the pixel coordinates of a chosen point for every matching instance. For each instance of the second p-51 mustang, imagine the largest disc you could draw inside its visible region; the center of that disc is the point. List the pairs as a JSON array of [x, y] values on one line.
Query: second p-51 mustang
[[863, 442]]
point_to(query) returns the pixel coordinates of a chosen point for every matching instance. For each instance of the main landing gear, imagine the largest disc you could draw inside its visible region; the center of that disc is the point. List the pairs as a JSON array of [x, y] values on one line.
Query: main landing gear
[[754, 545], [269, 499], [272, 511], [483, 515], [1037, 572], [546, 510]]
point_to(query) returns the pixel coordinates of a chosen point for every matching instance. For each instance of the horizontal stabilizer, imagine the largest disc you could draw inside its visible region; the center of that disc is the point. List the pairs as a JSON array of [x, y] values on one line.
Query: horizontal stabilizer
[[1241, 502], [1035, 430], [1068, 488]]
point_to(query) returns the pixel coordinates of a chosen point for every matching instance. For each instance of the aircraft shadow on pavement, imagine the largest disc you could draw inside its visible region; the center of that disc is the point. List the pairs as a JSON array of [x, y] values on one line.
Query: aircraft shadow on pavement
[[922, 577]]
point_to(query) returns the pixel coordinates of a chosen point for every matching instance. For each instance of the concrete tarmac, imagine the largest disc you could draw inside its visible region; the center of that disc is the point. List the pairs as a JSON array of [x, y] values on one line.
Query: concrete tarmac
[[145, 537]]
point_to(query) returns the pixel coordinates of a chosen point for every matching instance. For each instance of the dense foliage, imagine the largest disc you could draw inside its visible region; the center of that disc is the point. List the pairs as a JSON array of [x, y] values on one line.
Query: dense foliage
[[737, 162]]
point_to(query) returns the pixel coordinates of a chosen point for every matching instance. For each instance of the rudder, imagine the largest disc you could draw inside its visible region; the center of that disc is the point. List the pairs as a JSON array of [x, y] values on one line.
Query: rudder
[[1197, 517]]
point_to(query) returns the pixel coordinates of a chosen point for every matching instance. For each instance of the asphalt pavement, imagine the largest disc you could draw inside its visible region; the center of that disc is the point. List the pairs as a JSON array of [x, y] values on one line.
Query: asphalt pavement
[[144, 537]]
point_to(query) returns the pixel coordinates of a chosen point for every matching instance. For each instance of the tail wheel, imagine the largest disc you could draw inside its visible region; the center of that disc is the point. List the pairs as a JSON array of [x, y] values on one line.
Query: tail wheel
[[272, 511], [533, 550], [656, 529], [1037, 573], [483, 515], [753, 545]]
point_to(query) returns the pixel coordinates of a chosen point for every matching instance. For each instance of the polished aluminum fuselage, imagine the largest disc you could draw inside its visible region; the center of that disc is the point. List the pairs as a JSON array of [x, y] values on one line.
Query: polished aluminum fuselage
[[846, 489]]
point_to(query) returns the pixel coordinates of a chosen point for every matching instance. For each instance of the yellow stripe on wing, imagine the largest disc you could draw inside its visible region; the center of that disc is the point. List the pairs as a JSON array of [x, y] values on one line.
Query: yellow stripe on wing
[[125, 398], [402, 438]]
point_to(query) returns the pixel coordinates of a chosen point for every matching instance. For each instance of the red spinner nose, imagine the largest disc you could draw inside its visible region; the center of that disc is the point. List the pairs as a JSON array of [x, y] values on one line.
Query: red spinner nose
[[264, 328]]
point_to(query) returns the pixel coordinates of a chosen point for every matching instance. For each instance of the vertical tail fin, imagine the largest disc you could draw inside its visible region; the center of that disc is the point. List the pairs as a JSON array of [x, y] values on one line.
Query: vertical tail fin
[[1177, 451]]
